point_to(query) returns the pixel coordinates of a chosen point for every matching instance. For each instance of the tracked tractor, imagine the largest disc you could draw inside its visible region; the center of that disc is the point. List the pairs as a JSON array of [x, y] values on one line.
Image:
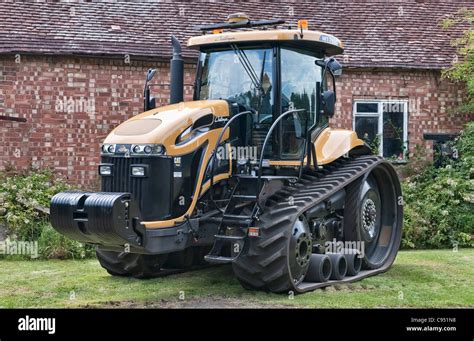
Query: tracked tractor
[[249, 173]]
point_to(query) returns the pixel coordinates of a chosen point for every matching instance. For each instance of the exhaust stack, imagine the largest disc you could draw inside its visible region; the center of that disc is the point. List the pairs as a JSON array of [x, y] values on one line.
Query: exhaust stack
[[176, 72]]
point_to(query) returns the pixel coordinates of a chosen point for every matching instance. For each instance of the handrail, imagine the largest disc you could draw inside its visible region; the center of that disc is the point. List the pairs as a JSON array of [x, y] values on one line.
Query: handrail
[[213, 157], [262, 152], [306, 149]]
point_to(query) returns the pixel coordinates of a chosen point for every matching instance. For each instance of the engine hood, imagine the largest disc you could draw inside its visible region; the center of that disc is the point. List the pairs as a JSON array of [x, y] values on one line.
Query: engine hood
[[164, 125]]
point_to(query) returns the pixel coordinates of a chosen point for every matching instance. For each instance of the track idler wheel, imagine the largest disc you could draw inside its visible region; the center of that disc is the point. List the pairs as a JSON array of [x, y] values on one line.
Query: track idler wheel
[[339, 266], [354, 261], [320, 268], [299, 250]]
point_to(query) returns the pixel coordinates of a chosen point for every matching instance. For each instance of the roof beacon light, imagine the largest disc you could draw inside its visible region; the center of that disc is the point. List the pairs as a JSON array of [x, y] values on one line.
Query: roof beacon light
[[238, 18], [217, 30], [302, 25]]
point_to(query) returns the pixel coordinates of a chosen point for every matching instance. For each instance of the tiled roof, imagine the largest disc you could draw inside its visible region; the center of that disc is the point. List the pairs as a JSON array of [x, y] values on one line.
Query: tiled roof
[[375, 34]]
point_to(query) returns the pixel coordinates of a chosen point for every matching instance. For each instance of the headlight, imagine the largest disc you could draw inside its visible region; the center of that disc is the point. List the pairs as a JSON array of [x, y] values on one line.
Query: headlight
[[105, 170], [138, 170], [136, 149], [108, 148], [147, 149]]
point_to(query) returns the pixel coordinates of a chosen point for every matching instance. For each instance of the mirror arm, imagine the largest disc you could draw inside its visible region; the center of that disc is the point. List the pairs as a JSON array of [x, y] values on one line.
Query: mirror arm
[[146, 97], [334, 86]]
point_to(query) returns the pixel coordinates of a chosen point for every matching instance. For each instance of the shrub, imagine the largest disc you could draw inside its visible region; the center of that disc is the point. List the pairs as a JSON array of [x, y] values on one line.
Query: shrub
[[439, 202], [54, 245], [21, 199]]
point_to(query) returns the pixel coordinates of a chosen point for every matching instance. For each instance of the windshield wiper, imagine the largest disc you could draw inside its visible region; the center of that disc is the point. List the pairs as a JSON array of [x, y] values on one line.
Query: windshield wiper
[[248, 68]]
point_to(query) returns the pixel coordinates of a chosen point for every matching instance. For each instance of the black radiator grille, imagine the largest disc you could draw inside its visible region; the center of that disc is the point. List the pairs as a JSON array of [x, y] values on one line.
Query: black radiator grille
[[152, 193], [121, 181]]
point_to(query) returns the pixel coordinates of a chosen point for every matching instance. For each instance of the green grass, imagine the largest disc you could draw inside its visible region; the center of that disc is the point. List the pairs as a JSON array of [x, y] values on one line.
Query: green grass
[[440, 278]]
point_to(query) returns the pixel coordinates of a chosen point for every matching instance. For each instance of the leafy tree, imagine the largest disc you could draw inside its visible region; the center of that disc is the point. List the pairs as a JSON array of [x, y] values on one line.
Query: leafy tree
[[462, 69]]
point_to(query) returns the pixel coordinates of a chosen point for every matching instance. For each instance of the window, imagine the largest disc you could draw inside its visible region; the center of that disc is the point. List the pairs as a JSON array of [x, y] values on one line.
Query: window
[[299, 75], [382, 124], [237, 75]]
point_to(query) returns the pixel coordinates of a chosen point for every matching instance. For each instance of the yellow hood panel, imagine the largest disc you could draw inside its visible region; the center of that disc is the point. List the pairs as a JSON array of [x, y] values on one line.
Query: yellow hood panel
[[163, 125]]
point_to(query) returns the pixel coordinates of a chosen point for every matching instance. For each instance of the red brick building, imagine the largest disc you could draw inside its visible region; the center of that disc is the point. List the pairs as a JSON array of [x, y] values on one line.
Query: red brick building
[[70, 72]]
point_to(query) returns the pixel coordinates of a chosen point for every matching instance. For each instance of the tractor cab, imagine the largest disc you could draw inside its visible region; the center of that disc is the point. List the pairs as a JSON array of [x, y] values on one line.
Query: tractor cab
[[269, 72]]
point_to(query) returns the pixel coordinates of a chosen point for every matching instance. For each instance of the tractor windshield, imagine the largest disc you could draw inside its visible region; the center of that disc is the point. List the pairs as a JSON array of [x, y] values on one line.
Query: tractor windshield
[[240, 75]]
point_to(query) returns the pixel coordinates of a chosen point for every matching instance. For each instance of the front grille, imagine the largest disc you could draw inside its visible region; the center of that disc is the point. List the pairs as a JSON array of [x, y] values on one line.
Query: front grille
[[152, 193]]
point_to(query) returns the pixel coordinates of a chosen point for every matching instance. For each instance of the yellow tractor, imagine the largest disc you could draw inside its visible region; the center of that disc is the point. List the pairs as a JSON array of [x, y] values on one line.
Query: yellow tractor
[[248, 173]]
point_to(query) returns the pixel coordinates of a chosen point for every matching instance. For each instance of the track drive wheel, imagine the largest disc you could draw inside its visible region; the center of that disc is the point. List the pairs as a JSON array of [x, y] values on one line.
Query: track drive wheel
[[278, 260], [373, 214], [131, 264]]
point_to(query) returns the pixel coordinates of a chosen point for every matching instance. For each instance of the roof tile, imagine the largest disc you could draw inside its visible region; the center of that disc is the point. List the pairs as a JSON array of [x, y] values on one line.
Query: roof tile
[[375, 33]]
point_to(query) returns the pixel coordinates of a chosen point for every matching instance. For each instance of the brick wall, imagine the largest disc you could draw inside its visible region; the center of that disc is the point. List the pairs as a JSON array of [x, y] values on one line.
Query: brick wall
[[72, 103], [431, 101]]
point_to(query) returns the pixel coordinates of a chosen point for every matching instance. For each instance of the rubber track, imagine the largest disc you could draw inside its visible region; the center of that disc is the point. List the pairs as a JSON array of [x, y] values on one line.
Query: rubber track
[[138, 267], [263, 262], [164, 272]]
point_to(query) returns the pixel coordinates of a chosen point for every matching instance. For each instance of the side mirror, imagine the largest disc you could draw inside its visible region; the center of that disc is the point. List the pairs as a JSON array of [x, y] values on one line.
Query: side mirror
[[150, 74], [152, 103], [335, 67], [328, 103], [331, 64]]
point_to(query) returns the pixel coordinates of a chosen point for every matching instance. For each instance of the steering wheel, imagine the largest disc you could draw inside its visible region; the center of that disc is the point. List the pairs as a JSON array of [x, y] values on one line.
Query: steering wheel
[[242, 107]]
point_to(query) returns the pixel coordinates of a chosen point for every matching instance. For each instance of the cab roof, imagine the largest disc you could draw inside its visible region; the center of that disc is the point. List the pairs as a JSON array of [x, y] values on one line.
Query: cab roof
[[305, 39]]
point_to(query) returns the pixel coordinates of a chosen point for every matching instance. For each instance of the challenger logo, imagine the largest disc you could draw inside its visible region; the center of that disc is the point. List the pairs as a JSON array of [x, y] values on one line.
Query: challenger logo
[[218, 119]]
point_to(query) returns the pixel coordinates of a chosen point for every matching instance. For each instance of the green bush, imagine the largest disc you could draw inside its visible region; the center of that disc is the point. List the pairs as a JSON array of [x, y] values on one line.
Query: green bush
[[54, 245], [439, 202], [21, 198]]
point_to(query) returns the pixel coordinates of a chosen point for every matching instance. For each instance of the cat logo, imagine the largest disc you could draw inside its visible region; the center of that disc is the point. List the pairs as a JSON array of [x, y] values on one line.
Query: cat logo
[[122, 149], [177, 161]]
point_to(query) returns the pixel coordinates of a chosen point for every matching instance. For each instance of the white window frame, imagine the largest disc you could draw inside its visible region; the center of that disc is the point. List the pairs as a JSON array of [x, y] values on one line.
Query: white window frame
[[379, 115]]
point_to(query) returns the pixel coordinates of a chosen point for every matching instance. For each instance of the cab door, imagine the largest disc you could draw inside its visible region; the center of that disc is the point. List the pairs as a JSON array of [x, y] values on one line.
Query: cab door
[[298, 77]]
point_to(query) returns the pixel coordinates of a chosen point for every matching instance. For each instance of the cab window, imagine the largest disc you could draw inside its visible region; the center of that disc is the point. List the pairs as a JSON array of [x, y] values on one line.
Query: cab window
[[299, 75]]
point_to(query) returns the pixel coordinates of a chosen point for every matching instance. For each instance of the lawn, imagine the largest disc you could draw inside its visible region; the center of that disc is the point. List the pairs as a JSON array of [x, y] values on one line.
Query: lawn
[[440, 278]]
